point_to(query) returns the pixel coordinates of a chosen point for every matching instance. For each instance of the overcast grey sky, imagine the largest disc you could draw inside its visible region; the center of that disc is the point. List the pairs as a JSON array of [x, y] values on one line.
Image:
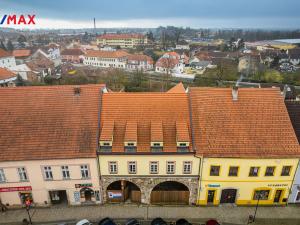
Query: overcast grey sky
[[153, 13]]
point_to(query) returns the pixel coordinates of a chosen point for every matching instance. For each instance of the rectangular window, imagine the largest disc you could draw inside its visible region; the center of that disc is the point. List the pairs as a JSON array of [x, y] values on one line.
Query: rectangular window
[[233, 171], [214, 170], [153, 167], [298, 196], [253, 171], [22, 174], [48, 173], [132, 167], [262, 195], [113, 168], [85, 173], [286, 170], [187, 167], [170, 167], [270, 171], [2, 176], [65, 172]]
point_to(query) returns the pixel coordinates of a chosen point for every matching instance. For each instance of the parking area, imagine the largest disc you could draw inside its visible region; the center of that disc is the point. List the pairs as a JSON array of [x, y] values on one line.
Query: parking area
[[119, 212]]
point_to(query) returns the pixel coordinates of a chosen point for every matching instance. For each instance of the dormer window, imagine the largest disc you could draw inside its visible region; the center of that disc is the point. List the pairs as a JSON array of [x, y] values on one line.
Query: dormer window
[[130, 147], [182, 136], [105, 146], [183, 146], [156, 146], [106, 137]]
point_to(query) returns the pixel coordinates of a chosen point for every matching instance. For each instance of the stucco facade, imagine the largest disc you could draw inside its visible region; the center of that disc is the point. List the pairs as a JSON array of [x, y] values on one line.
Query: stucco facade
[[241, 188], [295, 191], [43, 189]]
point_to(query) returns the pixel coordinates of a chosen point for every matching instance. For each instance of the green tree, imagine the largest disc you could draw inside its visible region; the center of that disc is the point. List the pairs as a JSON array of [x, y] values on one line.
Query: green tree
[[10, 46], [271, 76]]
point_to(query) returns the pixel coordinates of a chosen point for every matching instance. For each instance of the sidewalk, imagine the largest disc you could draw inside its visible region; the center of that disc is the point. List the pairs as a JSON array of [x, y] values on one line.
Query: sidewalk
[[228, 214]]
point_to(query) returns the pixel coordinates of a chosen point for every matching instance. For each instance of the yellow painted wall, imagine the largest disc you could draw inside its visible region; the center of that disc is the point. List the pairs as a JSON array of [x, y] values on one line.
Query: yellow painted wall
[[143, 164], [244, 184]]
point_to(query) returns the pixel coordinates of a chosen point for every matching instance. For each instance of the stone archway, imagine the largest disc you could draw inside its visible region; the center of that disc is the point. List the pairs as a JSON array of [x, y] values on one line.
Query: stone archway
[[123, 191]]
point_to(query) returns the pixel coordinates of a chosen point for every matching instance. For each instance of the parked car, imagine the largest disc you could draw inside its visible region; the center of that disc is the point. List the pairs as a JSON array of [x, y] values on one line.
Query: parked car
[[212, 222], [84, 222], [106, 221], [132, 222], [182, 222], [158, 221]]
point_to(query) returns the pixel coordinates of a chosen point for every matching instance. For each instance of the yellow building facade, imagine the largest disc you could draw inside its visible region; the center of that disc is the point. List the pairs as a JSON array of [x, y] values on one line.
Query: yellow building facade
[[239, 181]]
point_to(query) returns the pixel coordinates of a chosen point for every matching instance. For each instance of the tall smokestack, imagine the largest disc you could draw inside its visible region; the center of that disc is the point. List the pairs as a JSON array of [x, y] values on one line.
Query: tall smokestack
[[95, 25]]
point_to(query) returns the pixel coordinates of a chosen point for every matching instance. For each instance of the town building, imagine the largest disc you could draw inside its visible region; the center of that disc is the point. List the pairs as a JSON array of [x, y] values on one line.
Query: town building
[[74, 55], [106, 59], [7, 60], [171, 62], [139, 62], [20, 55], [145, 148], [122, 40], [247, 145], [7, 77], [48, 145]]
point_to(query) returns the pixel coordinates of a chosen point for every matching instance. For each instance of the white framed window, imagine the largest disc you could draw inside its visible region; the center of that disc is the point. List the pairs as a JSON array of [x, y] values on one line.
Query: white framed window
[[65, 172], [85, 173], [48, 173], [187, 167], [2, 176], [170, 167], [22, 174], [154, 167], [131, 167], [113, 167]]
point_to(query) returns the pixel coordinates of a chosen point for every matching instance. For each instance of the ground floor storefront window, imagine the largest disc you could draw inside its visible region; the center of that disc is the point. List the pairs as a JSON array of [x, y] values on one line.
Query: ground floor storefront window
[[261, 194], [58, 197], [24, 196]]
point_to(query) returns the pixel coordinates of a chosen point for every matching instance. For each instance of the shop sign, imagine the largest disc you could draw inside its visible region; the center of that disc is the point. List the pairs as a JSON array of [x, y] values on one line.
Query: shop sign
[[11, 189], [277, 185], [83, 185], [214, 185], [114, 195]]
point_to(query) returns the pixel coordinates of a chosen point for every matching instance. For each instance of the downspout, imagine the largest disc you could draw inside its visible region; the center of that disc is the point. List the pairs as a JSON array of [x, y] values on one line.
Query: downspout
[[97, 144], [193, 143]]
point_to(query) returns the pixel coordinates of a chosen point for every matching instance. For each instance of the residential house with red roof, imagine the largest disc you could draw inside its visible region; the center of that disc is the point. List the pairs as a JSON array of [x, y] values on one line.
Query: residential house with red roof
[[139, 62], [130, 40], [248, 148], [171, 62], [48, 145], [74, 55], [7, 77]]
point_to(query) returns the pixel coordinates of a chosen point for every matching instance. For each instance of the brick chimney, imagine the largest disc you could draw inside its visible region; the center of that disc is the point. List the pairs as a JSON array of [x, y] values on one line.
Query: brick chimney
[[235, 93]]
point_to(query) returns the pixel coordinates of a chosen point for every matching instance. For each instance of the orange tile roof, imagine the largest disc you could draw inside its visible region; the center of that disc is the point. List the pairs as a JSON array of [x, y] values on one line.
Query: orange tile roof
[[178, 88], [120, 36], [131, 131], [6, 74], [169, 63], [21, 53], [107, 131], [256, 125], [106, 54], [145, 109], [48, 122], [72, 51], [182, 132], [4, 53], [140, 57], [157, 131]]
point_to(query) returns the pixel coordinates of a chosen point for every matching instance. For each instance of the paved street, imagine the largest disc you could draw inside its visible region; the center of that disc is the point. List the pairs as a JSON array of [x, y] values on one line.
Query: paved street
[[228, 214]]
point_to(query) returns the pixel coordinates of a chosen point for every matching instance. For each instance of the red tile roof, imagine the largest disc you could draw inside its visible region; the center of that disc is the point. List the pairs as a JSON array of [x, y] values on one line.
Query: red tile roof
[[179, 88], [107, 131], [6, 74], [169, 63], [120, 36], [4, 53], [21, 53], [106, 54], [48, 122], [182, 132], [72, 51], [256, 125], [139, 57], [157, 131], [147, 110], [131, 131]]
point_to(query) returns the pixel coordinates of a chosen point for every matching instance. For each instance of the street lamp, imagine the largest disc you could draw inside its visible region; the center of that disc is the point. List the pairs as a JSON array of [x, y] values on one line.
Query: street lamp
[[251, 218]]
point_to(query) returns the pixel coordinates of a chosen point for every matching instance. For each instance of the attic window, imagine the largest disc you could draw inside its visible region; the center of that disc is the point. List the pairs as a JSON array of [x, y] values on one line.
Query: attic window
[[156, 144], [106, 144], [130, 147], [182, 145], [130, 144]]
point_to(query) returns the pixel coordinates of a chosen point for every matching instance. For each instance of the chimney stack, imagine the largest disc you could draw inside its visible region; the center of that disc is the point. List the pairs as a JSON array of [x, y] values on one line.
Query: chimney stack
[[235, 93], [77, 90]]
